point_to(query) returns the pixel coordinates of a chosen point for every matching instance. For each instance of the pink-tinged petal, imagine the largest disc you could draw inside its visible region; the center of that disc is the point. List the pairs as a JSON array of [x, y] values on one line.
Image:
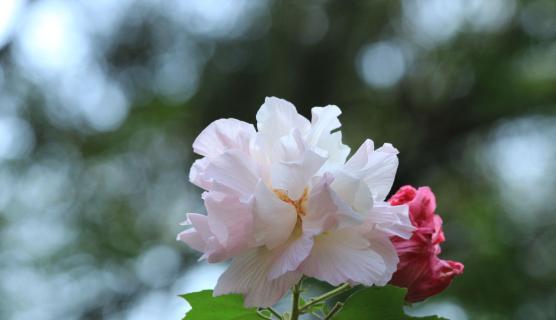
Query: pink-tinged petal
[[200, 237], [346, 256], [222, 135], [193, 239], [291, 254], [248, 275], [200, 223], [230, 219], [393, 220], [273, 219], [196, 175], [376, 167], [232, 170]]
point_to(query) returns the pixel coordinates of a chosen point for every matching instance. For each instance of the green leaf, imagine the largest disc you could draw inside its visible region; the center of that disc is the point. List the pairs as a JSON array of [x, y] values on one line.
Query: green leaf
[[228, 307], [385, 303]]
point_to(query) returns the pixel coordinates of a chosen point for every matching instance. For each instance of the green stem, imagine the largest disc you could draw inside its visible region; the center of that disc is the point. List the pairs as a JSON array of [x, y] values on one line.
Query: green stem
[[337, 307], [341, 289], [296, 292], [275, 313], [262, 315]]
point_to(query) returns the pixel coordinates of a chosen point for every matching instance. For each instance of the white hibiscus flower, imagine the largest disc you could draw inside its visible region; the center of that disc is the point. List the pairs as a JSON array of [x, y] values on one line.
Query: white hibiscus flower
[[283, 202]]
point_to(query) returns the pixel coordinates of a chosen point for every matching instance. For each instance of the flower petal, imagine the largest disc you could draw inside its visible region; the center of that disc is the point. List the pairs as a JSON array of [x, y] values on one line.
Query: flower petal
[[346, 256], [376, 167], [325, 209], [193, 239], [337, 152], [291, 255], [201, 238], [293, 177], [294, 165], [323, 121], [353, 191], [393, 220], [277, 118], [230, 219], [248, 275], [274, 219], [321, 208], [222, 135], [232, 171]]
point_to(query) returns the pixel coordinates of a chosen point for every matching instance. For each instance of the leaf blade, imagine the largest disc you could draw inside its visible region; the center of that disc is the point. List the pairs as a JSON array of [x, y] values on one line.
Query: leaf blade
[[385, 303], [227, 307]]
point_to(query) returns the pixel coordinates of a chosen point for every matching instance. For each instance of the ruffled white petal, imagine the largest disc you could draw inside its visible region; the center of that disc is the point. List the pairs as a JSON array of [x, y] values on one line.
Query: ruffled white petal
[[393, 220], [273, 219], [295, 165], [248, 274], [277, 118], [337, 151], [346, 256], [386, 250], [323, 121], [293, 177], [222, 135], [376, 167], [321, 210], [353, 191]]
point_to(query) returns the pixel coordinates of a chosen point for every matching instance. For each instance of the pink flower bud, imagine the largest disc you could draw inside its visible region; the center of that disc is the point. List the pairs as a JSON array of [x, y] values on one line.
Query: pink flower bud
[[420, 270]]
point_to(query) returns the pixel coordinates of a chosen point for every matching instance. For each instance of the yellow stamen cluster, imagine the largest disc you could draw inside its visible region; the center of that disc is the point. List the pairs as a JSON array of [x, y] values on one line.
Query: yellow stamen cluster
[[298, 204]]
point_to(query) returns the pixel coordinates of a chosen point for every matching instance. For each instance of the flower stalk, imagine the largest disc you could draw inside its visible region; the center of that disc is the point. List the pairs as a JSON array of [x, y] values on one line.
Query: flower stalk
[[297, 310], [330, 294], [296, 292], [337, 307]]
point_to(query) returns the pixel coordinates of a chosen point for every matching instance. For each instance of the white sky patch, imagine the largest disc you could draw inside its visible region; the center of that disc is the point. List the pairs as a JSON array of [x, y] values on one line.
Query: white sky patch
[[51, 38], [519, 155], [9, 11]]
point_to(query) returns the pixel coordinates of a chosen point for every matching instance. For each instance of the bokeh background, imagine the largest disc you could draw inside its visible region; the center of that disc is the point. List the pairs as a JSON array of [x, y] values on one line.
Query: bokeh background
[[101, 100]]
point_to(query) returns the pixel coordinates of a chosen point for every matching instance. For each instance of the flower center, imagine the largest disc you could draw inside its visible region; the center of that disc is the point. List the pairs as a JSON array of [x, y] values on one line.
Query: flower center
[[298, 204]]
